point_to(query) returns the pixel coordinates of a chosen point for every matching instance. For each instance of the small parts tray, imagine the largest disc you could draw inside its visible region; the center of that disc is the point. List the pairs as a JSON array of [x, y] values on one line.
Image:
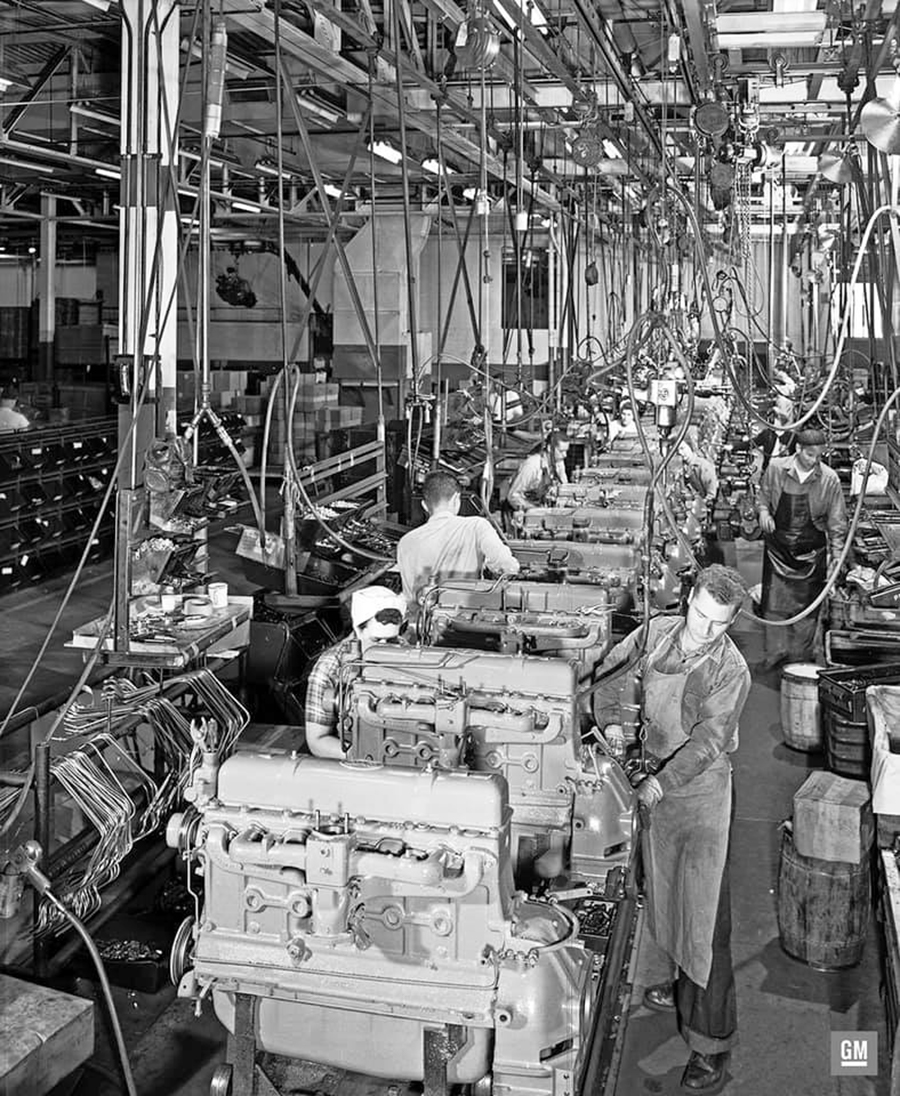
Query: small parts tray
[[844, 691]]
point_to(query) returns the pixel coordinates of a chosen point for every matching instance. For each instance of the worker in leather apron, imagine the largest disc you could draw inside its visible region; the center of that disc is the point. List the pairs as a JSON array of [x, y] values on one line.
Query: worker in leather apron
[[694, 685], [803, 518]]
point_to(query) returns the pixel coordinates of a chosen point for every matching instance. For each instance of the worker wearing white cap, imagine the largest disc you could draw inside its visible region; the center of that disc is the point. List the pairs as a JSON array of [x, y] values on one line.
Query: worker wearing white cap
[[378, 615]]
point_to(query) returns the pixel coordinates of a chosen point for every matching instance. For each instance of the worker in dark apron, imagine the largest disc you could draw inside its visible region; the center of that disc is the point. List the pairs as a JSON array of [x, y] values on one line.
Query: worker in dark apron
[[803, 519], [694, 685]]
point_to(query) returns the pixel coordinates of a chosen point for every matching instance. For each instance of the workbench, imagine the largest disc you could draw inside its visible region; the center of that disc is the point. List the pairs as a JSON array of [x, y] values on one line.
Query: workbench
[[44, 1036]]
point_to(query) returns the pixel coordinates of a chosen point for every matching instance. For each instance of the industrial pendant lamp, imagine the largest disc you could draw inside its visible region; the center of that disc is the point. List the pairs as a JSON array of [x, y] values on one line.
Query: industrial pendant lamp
[[880, 121], [836, 167]]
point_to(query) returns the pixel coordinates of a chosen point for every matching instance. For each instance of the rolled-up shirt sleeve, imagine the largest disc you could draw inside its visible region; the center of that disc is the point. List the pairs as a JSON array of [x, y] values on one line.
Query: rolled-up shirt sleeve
[[836, 521], [713, 730], [766, 490], [497, 556]]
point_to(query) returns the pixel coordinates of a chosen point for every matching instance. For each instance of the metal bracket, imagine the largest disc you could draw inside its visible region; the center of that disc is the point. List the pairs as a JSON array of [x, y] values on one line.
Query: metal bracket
[[440, 1046]]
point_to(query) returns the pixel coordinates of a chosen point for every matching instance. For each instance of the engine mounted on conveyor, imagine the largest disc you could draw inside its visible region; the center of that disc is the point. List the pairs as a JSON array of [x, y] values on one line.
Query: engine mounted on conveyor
[[512, 715], [365, 917]]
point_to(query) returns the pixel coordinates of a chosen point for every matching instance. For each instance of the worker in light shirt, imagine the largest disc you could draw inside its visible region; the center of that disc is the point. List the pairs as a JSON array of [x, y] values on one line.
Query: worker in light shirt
[[448, 546], [699, 473], [536, 475], [11, 419]]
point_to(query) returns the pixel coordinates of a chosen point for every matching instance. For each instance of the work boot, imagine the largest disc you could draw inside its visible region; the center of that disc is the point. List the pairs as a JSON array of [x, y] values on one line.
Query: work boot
[[704, 1072], [660, 997]]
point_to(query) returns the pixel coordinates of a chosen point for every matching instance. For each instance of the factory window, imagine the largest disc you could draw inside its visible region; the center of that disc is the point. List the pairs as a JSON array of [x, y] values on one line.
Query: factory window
[[535, 290]]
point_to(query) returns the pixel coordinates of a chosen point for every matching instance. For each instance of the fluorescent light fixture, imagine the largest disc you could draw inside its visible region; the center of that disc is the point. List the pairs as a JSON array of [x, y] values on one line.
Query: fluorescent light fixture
[[108, 172], [232, 66], [244, 207], [611, 149], [333, 191], [767, 29], [27, 165], [100, 5], [432, 166], [216, 160], [386, 152], [321, 110], [85, 110], [270, 167], [5, 84]]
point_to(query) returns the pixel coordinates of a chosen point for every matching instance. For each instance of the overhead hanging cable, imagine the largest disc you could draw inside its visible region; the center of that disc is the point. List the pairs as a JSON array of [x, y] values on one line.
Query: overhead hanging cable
[[376, 320], [289, 521], [407, 213]]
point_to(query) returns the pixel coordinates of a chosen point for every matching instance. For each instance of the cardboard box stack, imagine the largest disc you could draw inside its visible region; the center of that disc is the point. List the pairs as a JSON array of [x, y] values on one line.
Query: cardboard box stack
[[316, 411]]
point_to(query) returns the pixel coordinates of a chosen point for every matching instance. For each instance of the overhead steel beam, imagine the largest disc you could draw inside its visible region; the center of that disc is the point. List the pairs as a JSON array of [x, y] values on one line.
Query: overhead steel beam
[[335, 68], [12, 119], [698, 39], [451, 15]]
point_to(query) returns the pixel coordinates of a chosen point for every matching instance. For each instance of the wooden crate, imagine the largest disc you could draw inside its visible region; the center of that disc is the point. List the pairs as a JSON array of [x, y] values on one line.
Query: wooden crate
[[887, 830], [890, 922], [833, 818]]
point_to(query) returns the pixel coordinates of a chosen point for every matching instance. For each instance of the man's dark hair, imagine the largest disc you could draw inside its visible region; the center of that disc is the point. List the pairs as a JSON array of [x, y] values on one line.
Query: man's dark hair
[[556, 437], [724, 584], [439, 487], [809, 436]]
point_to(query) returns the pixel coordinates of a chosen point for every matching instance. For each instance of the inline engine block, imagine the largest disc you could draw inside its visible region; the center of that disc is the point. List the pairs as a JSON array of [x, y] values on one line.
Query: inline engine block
[[570, 620], [370, 915], [511, 715]]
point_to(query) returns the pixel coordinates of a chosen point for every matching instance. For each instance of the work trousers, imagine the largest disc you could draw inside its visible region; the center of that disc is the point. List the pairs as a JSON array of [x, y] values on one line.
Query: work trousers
[[707, 1018], [801, 642]]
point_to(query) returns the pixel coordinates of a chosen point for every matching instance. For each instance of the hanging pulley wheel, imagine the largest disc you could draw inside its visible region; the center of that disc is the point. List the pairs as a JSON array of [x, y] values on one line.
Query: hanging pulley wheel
[[711, 119], [587, 150], [480, 45]]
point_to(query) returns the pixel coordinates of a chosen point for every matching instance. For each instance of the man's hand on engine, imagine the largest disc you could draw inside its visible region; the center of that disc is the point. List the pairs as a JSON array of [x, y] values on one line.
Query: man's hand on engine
[[649, 792]]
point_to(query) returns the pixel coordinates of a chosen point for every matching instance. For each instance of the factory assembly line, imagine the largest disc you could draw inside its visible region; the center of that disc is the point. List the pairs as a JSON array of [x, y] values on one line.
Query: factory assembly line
[[471, 389]]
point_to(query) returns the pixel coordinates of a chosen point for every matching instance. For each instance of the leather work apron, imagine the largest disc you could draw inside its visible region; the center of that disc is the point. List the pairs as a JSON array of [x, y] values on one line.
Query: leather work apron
[[685, 847], [795, 560]]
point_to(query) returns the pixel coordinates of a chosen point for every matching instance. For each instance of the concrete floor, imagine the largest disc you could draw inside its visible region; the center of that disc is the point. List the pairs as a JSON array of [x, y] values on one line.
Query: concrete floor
[[786, 1009]]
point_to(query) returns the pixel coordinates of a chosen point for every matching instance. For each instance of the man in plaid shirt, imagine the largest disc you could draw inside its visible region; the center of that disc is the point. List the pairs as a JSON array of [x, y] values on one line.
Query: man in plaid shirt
[[377, 615]]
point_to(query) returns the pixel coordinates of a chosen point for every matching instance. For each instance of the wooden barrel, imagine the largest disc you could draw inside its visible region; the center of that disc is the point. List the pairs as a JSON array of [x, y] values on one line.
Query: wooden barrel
[[823, 908], [800, 724], [848, 751]]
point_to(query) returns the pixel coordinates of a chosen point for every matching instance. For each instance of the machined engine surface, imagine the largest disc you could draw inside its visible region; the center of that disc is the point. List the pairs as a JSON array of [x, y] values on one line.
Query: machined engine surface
[[513, 715], [569, 620], [364, 906]]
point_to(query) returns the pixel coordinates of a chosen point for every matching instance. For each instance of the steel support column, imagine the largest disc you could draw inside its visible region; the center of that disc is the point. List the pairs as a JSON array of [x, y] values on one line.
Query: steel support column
[[46, 289], [148, 256]]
